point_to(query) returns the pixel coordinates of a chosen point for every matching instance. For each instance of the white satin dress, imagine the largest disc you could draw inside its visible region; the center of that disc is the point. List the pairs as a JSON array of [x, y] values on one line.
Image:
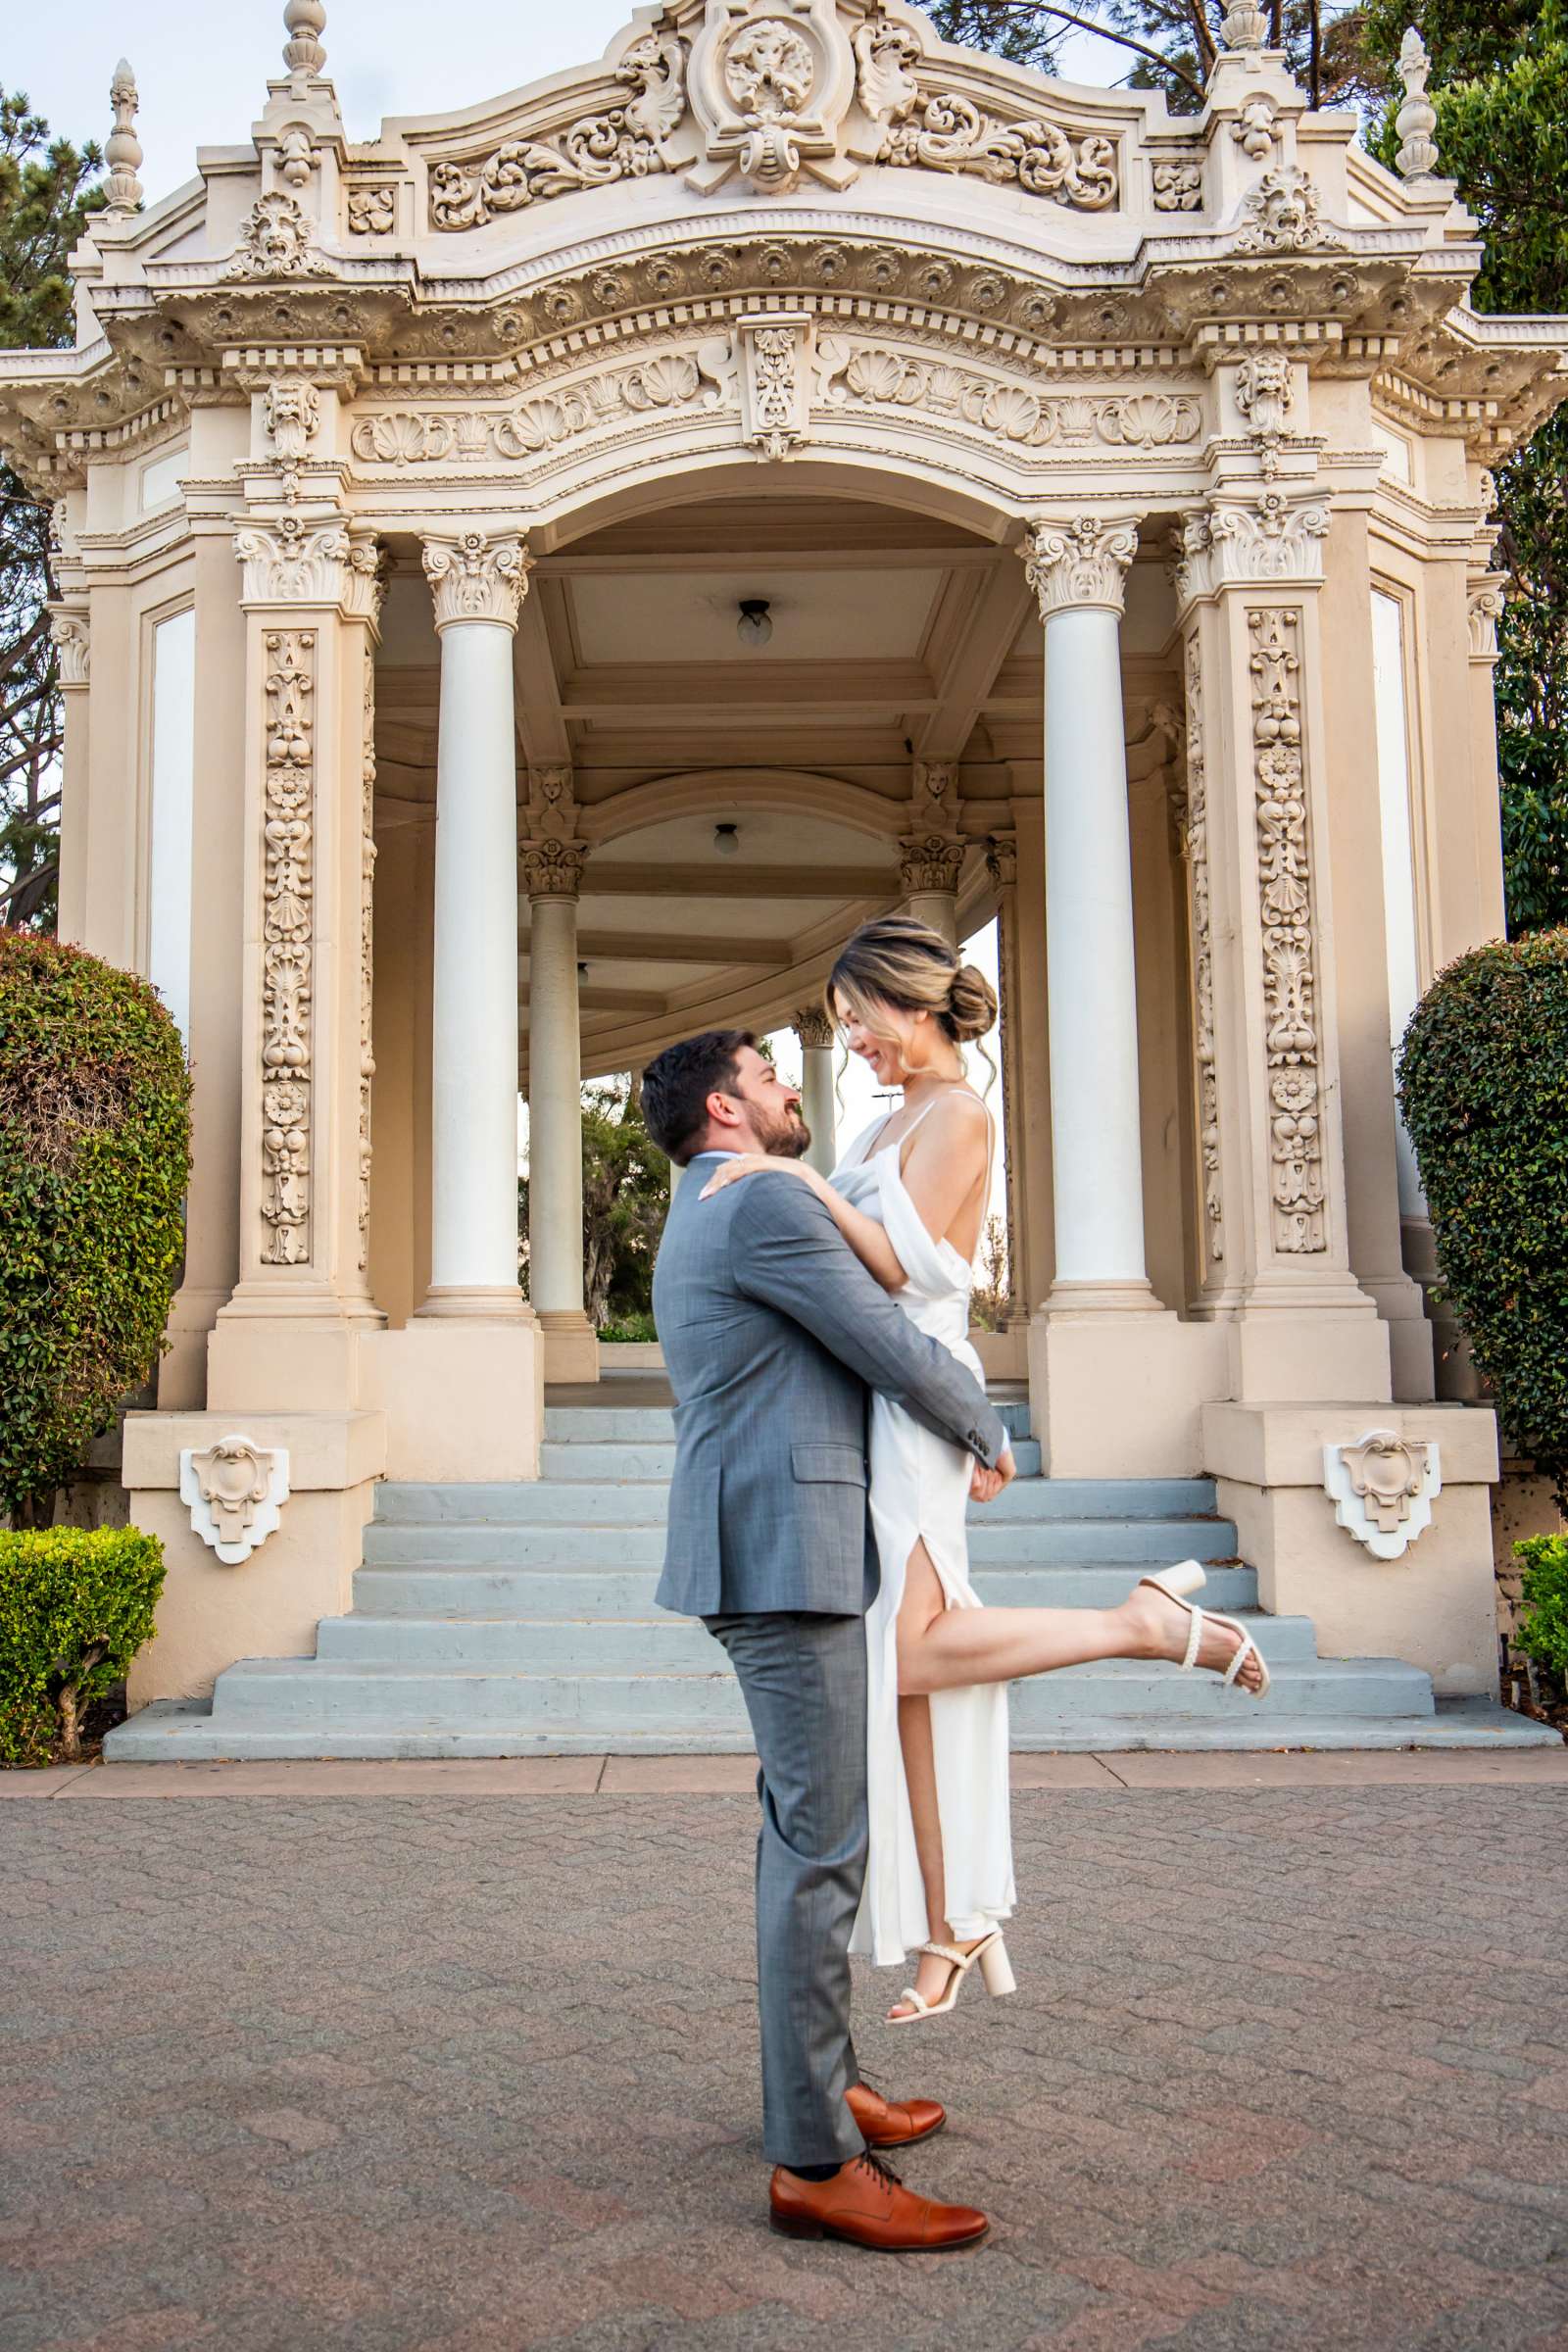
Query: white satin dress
[[919, 1490]]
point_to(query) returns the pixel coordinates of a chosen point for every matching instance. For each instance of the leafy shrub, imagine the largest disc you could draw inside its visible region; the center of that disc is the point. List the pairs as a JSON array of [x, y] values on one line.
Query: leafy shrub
[[1484, 1088], [628, 1327], [1542, 1631], [94, 1162], [75, 1605]]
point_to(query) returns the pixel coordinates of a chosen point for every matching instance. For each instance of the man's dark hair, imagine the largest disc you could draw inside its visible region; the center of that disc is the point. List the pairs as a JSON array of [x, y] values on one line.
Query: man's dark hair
[[677, 1083]]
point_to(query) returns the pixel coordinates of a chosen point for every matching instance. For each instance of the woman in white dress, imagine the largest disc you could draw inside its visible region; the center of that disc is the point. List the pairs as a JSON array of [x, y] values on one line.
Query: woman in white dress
[[911, 1197]]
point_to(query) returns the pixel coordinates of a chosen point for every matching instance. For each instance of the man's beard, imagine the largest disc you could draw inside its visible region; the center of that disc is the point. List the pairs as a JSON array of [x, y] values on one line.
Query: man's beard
[[790, 1139]]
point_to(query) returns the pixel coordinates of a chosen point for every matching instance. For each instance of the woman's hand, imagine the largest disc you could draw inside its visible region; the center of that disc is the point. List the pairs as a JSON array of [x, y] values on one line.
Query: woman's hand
[[986, 1484], [759, 1163]]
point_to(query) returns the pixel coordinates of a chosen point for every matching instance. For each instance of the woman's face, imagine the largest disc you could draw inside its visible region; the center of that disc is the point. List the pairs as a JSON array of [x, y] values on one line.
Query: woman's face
[[893, 1048]]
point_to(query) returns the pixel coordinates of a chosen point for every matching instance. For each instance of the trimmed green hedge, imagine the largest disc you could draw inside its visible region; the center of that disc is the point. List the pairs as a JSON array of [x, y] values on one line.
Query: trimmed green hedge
[[1484, 1088], [75, 1605], [1542, 1631], [94, 1164]]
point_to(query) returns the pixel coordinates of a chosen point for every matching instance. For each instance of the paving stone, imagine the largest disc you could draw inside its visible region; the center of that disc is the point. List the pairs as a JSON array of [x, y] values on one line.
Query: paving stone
[[451, 2069]]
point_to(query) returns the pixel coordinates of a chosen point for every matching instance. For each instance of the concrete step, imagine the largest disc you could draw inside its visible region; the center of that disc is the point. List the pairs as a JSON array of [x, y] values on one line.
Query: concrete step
[[174, 1731], [317, 1693], [643, 1424], [580, 1543], [641, 1475], [658, 1643], [609, 1592]]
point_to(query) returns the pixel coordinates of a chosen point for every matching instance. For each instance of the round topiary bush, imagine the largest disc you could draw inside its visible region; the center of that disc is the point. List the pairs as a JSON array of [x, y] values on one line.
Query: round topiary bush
[[94, 1162], [1484, 1088]]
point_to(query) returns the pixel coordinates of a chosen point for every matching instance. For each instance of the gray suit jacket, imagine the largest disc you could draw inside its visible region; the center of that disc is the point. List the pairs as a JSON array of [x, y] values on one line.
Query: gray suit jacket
[[772, 1330]]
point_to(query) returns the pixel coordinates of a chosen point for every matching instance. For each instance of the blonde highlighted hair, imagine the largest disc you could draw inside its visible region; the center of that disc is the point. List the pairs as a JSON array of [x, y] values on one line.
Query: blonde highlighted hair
[[898, 961]]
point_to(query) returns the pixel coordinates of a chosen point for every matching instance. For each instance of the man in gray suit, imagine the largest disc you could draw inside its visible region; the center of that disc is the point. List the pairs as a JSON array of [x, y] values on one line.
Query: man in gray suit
[[772, 1333]]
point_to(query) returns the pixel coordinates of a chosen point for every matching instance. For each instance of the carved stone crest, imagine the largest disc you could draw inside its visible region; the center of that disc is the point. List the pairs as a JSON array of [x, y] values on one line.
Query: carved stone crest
[[1381, 1488], [235, 1491], [276, 242], [771, 82]]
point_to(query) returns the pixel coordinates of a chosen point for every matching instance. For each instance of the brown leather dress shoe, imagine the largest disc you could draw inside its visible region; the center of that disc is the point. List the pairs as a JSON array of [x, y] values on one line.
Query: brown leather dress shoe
[[868, 2204], [890, 2123]]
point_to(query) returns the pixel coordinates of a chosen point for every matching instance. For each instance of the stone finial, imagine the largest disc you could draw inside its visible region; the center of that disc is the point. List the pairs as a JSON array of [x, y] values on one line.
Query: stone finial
[[123, 148], [1243, 26], [1417, 117], [303, 54]]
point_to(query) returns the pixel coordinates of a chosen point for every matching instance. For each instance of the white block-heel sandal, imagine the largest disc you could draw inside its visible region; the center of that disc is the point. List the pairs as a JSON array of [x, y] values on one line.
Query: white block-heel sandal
[[995, 1968], [1188, 1576]]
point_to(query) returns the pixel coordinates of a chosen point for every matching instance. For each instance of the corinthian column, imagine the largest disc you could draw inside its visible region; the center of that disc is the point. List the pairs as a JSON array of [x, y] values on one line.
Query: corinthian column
[[479, 583], [1078, 569], [818, 1107]]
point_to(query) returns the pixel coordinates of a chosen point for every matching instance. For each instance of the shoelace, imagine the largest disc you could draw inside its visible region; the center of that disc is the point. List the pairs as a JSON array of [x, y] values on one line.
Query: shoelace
[[880, 2170]]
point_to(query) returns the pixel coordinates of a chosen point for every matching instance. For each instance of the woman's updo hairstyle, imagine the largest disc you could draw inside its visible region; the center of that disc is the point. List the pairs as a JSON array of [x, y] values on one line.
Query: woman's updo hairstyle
[[899, 962]]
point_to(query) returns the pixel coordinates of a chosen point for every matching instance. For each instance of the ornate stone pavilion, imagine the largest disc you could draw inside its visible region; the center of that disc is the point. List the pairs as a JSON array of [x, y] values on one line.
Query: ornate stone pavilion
[[1117, 487]]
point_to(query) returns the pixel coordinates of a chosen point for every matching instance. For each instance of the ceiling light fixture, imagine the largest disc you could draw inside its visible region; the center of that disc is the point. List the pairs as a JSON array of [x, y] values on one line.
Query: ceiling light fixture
[[753, 626], [726, 840]]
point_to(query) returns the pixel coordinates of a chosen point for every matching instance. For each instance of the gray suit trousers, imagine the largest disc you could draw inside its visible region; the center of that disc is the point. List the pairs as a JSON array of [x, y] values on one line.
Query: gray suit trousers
[[804, 1681]]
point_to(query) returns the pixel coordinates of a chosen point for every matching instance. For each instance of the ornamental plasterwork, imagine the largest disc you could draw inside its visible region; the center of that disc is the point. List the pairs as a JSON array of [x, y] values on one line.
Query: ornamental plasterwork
[[1267, 538], [288, 895], [769, 90], [1285, 900], [1195, 843], [292, 561], [670, 380], [622, 142], [1266, 393], [1178, 185], [73, 638], [235, 1491], [1382, 1489], [1486, 603], [277, 241], [1256, 128], [475, 577], [291, 408], [877, 376], [550, 847], [1280, 214], [373, 212], [1080, 564], [366, 946], [812, 1027], [774, 381], [931, 852]]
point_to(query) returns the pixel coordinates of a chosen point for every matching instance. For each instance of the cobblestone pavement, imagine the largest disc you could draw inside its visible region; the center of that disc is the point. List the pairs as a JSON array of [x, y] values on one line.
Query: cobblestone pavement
[[1288, 2069]]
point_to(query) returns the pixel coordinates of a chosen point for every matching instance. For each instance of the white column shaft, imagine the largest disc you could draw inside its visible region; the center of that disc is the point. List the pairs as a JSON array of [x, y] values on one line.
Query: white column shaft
[[817, 1106], [554, 1111], [1096, 1143], [474, 1092]]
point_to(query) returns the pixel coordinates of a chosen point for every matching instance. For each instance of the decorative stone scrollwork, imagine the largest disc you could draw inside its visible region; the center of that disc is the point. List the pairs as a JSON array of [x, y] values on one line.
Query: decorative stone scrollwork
[[775, 388], [1487, 603], [1178, 186], [550, 852], [1287, 915], [1079, 563], [1265, 392], [291, 409], [235, 1491], [1281, 214], [1268, 538], [624, 143], [276, 241], [1196, 844], [73, 638], [811, 1026], [291, 562], [373, 212], [288, 895], [931, 852], [946, 132], [880, 377], [1002, 860], [366, 947], [927, 862], [553, 869], [671, 380], [474, 577], [1382, 1489]]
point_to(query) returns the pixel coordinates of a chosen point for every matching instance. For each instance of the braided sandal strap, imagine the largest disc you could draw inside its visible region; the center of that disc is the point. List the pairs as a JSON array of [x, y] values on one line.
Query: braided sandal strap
[[914, 1999], [1195, 1636], [949, 1952]]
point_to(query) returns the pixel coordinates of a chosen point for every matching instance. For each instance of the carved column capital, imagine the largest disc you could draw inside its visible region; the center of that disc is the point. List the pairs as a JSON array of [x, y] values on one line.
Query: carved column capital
[[73, 636], [811, 1026], [929, 861], [1002, 860], [292, 561], [475, 577], [1488, 600], [1080, 564], [1248, 539], [553, 869], [365, 582]]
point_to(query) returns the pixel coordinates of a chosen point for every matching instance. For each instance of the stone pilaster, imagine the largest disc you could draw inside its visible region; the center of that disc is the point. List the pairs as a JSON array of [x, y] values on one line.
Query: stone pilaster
[[553, 858], [814, 1033]]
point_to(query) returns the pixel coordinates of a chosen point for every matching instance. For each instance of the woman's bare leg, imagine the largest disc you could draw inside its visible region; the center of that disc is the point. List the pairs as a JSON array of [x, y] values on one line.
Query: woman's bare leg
[[923, 1594], [942, 1648]]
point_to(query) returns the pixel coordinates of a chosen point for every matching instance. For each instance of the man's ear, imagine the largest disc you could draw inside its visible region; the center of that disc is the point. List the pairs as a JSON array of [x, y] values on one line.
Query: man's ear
[[721, 1112]]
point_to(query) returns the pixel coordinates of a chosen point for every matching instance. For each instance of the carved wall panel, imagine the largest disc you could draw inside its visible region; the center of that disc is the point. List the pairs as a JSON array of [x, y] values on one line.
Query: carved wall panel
[[366, 949], [1289, 928], [620, 142], [1196, 844], [875, 376], [288, 895]]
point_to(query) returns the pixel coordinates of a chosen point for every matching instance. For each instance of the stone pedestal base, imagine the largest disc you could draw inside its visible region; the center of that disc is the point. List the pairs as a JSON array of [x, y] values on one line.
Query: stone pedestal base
[[262, 1363], [268, 1606], [1119, 1395], [1277, 1357], [571, 1344], [1434, 1606], [463, 1398]]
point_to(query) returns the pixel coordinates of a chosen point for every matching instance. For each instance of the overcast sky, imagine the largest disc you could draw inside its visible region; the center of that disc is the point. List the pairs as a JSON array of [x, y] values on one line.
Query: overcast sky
[[202, 66]]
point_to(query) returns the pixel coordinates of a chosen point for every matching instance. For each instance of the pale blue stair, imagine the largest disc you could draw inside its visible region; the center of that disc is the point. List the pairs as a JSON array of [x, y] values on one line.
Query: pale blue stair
[[520, 1620]]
